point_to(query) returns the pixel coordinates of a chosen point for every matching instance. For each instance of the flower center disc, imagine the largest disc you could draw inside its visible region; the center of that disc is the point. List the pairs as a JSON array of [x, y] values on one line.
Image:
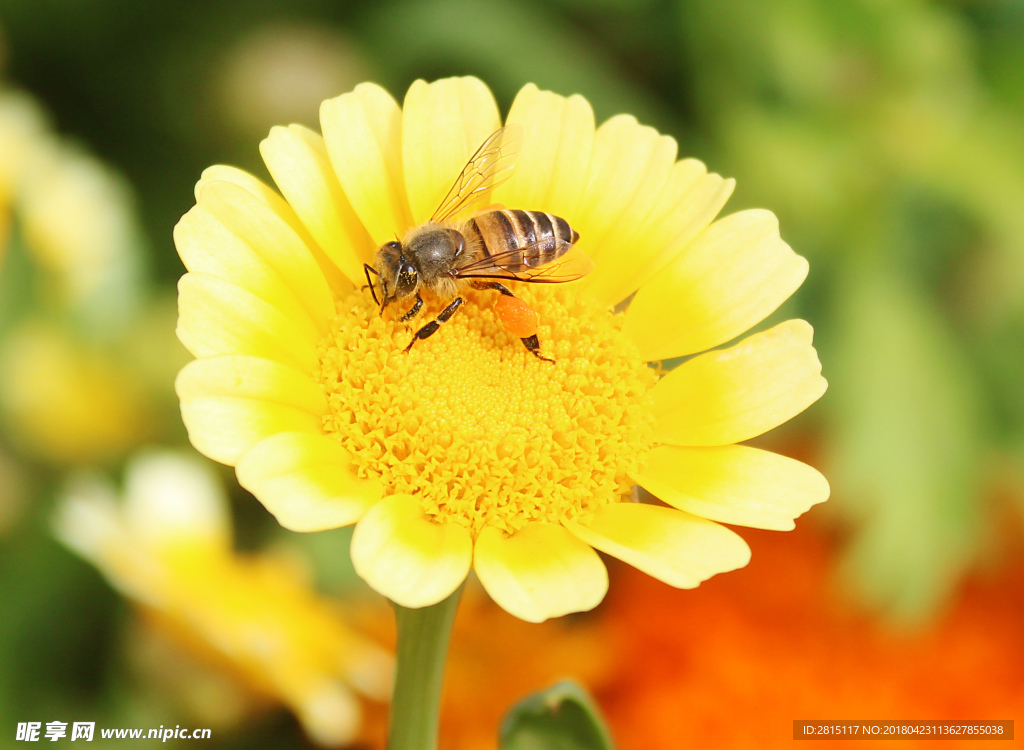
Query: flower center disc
[[479, 429]]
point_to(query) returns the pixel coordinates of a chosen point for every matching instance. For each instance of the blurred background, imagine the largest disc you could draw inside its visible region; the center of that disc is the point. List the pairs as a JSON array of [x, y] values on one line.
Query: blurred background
[[888, 138]]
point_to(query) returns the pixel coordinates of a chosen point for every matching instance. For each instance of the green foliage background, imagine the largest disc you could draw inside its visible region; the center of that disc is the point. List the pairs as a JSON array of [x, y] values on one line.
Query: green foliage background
[[888, 137]]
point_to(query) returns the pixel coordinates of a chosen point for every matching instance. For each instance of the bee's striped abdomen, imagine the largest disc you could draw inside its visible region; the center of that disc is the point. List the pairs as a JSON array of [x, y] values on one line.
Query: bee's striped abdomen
[[539, 237]]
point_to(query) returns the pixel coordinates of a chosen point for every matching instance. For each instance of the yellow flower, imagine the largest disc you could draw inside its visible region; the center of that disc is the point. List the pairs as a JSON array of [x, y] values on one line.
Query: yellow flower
[[169, 550], [23, 141], [69, 401], [467, 452], [78, 222], [74, 214]]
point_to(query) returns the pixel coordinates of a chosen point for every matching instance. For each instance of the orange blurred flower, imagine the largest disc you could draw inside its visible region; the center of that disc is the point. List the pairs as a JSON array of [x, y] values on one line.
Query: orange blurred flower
[[732, 664]]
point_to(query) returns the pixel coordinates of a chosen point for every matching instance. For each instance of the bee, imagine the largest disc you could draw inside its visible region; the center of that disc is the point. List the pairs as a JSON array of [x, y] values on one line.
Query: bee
[[495, 246]]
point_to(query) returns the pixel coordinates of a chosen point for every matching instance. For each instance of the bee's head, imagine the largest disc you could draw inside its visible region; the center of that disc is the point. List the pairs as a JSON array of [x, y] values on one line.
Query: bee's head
[[399, 277]]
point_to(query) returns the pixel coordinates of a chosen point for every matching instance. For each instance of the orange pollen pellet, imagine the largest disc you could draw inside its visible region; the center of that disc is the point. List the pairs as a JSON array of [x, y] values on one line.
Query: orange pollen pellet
[[517, 316]]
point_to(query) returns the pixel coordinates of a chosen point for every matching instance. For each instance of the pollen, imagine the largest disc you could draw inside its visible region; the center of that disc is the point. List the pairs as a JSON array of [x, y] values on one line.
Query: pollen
[[476, 427]]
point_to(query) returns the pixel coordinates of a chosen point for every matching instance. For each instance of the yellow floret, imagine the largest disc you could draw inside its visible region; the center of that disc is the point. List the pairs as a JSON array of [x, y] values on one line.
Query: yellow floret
[[482, 431]]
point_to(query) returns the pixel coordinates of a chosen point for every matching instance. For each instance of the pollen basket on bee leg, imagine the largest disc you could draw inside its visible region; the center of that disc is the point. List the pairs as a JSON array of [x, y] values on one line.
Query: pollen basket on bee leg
[[518, 318]]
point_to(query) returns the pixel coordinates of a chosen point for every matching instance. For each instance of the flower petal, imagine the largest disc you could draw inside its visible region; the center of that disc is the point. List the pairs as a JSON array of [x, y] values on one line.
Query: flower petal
[[175, 498], [443, 124], [363, 133], [541, 571], [732, 277], [298, 162], [217, 317], [691, 200], [734, 484], [328, 711], [231, 403], [259, 189], [408, 558], [629, 169], [250, 377], [674, 547], [306, 480], [734, 394], [206, 246], [551, 166], [338, 282], [269, 235]]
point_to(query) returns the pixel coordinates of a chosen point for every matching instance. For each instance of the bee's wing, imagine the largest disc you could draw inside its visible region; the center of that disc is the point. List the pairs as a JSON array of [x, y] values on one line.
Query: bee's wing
[[528, 264], [490, 166]]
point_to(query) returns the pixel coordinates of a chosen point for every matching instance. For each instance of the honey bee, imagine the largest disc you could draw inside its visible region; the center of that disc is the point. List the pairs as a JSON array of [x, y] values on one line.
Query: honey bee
[[494, 246]]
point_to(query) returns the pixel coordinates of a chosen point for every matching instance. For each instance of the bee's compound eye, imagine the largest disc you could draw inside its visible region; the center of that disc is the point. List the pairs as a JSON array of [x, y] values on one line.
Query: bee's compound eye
[[406, 279]]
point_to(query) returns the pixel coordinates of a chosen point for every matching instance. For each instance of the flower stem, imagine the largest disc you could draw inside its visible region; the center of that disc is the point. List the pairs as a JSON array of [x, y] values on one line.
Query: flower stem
[[423, 636]]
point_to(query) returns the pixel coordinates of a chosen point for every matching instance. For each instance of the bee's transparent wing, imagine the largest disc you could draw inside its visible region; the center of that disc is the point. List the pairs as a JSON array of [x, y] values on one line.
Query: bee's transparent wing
[[530, 264], [490, 166]]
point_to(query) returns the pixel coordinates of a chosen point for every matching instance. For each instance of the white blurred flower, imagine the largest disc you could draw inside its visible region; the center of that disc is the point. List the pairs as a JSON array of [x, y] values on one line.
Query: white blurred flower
[[281, 73]]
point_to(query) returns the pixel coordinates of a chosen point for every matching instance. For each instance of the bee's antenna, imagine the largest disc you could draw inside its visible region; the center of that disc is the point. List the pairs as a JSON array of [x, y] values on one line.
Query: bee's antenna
[[366, 269]]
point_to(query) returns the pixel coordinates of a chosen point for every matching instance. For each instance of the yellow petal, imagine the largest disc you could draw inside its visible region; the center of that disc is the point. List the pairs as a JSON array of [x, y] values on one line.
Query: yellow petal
[[443, 124], [329, 712], [216, 317], [250, 377], [306, 480], [259, 189], [363, 134], [206, 246], [338, 282], [231, 403], [551, 166], [629, 169], [691, 200], [541, 571], [674, 547], [269, 235], [734, 394], [298, 162], [734, 484], [732, 277], [407, 557]]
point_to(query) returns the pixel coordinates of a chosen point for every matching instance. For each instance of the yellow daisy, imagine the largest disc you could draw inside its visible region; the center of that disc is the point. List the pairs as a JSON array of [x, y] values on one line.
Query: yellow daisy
[[168, 548], [24, 141], [467, 452], [68, 401]]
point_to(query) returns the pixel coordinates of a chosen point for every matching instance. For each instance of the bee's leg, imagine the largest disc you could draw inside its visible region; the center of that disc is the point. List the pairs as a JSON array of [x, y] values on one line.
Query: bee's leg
[[532, 343], [495, 285], [431, 328], [413, 311], [369, 282]]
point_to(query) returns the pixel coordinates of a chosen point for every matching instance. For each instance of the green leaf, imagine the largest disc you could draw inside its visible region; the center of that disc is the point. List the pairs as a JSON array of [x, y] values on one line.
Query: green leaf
[[563, 717], [907, 443]]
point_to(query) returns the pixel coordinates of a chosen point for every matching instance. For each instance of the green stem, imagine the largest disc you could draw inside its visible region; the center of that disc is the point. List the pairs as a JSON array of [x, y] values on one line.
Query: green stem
[[423, 636]]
